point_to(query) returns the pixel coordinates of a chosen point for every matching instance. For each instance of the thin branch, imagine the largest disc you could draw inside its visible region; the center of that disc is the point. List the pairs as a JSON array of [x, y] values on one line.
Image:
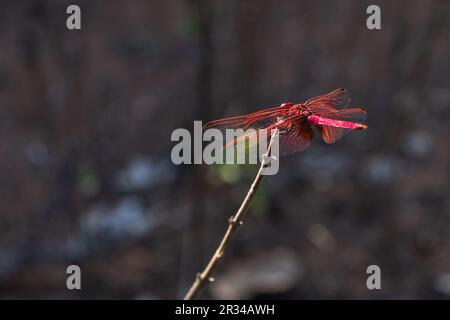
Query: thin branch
[[236, 220]]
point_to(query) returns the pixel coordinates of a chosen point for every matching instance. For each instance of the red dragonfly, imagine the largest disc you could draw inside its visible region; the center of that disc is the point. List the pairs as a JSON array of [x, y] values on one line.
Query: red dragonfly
[[328, 113]]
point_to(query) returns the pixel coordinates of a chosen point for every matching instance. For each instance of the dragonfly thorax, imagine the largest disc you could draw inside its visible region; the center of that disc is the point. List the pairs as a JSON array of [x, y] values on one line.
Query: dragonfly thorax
[[294, 111], [299, 110]]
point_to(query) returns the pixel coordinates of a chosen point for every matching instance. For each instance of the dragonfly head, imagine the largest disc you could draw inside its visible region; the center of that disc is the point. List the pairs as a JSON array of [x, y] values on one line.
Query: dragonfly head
[[294, 110], [286, 104]]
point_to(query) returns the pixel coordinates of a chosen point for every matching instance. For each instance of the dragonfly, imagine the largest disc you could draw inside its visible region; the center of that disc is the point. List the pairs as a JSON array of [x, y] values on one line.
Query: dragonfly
[[329, 113]]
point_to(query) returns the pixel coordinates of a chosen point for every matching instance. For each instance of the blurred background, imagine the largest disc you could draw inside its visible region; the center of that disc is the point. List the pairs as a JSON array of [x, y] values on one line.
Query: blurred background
[[86, 175]]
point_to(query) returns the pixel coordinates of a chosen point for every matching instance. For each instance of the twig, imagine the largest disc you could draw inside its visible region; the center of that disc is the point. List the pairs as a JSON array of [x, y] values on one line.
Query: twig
[[236, 220]]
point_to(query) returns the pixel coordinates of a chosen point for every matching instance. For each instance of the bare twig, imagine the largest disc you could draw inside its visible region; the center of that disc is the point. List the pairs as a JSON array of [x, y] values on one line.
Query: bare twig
[[236, 220]]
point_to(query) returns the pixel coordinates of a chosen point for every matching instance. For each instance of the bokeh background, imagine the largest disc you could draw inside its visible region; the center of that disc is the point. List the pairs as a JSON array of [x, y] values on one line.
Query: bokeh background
[[85, 169]]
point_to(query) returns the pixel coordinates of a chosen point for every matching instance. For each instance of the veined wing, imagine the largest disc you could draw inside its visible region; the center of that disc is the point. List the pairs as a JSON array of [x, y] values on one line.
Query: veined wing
[[337, 99], [333, 106], [298, 139], [292, 136], [257, 120]]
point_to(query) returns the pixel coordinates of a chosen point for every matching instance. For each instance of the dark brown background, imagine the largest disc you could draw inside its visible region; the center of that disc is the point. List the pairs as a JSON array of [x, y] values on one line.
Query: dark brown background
[[86, 176]]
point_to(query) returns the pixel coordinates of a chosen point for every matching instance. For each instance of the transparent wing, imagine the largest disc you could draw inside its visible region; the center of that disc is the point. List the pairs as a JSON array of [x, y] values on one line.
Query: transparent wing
[[350, 114], [333, 134], [297, 140], [293, 137], [333, 106], [256, 120], [337, 99]]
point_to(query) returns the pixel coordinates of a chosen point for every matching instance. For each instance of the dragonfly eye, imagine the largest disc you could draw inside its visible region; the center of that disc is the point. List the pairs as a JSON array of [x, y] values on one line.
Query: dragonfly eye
[[286, 104]]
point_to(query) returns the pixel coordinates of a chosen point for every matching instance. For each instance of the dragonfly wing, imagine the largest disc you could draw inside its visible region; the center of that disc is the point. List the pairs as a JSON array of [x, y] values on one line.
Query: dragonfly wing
[[246, 141], [337, 99], [296, 140], [256, 120], [291, 138], [251, 124], [234, 122], [350, 114], [332, 134], [355, 114]]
